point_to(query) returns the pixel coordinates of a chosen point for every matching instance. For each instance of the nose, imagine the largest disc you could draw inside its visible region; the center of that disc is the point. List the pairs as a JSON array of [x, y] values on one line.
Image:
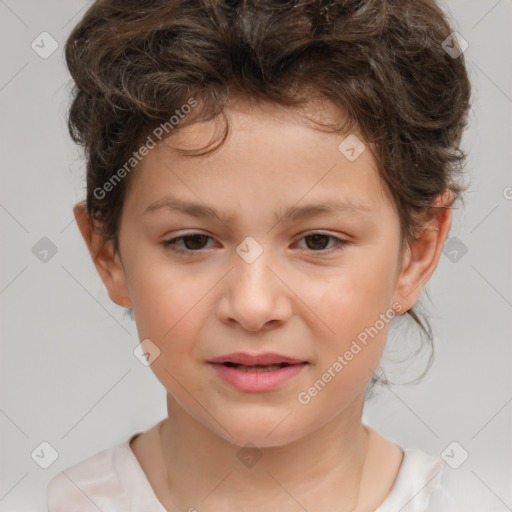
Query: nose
[[255, 295]]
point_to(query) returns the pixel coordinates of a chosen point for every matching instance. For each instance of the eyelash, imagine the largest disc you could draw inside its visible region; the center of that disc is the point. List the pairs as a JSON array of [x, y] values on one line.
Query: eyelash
[[170, 245]]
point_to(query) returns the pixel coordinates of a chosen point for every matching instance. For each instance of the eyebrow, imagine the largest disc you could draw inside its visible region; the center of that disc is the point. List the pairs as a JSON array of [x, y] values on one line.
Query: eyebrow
[[292, 213]]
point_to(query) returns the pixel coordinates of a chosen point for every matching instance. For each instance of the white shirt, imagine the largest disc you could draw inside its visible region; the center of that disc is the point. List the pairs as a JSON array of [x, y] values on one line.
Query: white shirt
[[112, 480]]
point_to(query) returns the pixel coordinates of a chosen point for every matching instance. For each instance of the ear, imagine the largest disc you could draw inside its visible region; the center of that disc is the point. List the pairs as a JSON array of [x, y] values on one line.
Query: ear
[[106, 260], [422, 256]]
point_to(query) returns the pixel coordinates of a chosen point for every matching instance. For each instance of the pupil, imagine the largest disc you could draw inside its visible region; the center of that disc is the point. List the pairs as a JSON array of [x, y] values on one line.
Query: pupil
[[316, 239], [195, 239]]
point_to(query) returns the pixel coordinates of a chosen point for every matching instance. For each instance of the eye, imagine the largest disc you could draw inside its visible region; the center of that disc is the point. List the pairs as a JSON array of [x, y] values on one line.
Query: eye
[[193, 243], [317, 241]]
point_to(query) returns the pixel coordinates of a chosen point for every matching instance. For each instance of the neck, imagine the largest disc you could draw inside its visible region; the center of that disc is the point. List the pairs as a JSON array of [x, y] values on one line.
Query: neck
[[208, 472]]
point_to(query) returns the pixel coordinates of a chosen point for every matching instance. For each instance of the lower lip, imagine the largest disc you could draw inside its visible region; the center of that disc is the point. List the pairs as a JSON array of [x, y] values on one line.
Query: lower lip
[[257, 381]]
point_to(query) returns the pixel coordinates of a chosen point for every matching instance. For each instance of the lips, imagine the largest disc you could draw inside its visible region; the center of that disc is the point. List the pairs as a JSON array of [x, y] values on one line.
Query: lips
[[257, 373], [265, 359]]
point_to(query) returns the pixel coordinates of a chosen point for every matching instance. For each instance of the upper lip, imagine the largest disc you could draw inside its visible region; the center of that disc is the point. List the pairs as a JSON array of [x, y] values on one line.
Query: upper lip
[[266, 358]]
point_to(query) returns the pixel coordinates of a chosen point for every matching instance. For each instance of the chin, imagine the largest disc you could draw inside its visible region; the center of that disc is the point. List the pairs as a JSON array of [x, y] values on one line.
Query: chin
[[263, 432], [261, 439]]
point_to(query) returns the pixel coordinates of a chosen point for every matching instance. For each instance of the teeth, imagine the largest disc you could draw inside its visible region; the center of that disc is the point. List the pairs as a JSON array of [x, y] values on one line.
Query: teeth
[[258, 367]]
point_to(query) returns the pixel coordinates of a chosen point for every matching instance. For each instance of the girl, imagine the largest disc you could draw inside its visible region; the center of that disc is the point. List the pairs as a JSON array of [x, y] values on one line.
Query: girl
[[268, 185]]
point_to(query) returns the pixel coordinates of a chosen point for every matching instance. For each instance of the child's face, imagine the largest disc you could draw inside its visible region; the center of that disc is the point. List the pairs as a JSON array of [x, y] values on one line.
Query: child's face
[[303, 297]]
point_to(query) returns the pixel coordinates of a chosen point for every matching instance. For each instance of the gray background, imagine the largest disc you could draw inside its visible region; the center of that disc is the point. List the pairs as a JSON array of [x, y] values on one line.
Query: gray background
[[68, 374]]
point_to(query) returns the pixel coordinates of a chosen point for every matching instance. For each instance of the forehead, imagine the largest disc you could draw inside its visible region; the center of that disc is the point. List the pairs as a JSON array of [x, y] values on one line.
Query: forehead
[[270, 152]]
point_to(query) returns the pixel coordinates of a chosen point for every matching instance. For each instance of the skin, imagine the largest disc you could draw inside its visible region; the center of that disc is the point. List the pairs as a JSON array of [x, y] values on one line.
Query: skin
[[298, 299]]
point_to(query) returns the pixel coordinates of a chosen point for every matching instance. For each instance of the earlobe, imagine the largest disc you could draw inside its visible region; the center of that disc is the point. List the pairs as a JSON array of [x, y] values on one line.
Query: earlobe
[[106, 260], [422, 257]]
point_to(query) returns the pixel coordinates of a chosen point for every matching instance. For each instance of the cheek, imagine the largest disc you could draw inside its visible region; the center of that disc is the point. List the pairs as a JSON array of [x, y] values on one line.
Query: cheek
[[356, 297], [347, 359], [167, 305], [356, 307]]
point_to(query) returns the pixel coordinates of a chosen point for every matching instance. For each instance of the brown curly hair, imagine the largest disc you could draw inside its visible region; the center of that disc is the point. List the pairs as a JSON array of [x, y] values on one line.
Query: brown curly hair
[[383, 62]]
